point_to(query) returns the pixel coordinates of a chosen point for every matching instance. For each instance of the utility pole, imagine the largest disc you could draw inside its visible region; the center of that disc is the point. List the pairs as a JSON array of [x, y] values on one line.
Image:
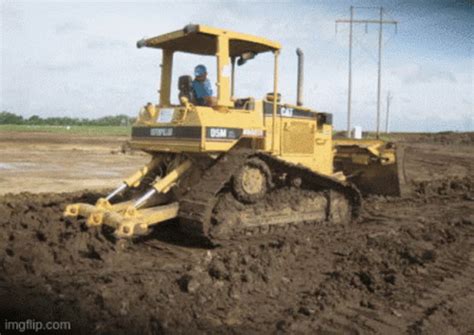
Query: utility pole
[[380, 22], [379, 77], [389, 98], [349, 93]]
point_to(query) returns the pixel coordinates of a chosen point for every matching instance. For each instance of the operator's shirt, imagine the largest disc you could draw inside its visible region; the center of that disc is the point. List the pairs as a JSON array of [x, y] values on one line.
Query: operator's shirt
[[201, 90]]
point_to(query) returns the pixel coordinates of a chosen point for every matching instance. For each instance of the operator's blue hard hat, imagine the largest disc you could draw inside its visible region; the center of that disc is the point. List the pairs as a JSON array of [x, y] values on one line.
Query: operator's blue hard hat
[[200, 70]]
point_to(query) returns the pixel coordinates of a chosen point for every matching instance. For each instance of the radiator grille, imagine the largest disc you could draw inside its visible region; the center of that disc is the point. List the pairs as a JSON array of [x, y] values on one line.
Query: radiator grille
[[298, 138]]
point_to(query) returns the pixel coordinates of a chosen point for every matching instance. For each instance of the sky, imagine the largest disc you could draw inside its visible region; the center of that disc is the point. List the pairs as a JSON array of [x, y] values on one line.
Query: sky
[[79, 58]]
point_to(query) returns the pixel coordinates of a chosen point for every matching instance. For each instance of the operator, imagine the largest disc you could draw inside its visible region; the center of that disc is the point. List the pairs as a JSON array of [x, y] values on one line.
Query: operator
[[202, 87]]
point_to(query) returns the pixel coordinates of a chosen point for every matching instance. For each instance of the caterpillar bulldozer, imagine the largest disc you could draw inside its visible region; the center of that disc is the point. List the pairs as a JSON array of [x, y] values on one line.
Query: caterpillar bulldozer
[[243, 165]]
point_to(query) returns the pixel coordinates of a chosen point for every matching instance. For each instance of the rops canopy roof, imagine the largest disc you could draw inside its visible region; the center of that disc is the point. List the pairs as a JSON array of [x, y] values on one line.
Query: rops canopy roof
[[202, 40]]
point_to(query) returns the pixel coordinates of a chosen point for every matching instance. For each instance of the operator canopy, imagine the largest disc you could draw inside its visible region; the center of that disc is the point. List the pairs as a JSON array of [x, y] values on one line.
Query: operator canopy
[[202, 40]]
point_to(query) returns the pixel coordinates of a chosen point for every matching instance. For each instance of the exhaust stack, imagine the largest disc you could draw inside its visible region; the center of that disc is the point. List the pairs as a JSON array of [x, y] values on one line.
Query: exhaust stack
[[299, 87]]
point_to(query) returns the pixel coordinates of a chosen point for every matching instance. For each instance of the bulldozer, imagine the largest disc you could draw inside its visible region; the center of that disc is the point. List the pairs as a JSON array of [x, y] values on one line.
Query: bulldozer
[[243, 165]]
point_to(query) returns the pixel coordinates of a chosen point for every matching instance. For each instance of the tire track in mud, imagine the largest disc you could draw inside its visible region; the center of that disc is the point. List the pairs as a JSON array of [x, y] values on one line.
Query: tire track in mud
[[454, 290], [432, 308], [440, 288]]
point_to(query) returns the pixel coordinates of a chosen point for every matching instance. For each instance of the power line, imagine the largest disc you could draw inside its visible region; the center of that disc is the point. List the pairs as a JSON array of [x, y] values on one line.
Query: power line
[[379, 22]]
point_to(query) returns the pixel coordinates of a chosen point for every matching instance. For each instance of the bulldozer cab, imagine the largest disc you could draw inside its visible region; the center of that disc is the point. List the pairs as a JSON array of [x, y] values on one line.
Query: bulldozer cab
[[229, 48], [195, 128]]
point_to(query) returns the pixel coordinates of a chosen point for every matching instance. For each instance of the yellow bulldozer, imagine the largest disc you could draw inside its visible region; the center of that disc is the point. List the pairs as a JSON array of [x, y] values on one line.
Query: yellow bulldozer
[[241, 165]]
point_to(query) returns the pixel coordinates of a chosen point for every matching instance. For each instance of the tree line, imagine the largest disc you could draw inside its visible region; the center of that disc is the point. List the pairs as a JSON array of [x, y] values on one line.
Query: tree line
[[115, 120]]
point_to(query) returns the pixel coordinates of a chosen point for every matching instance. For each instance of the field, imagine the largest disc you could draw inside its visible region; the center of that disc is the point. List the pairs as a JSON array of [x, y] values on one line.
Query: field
[[61, 161], [406, 267], [68, 130]]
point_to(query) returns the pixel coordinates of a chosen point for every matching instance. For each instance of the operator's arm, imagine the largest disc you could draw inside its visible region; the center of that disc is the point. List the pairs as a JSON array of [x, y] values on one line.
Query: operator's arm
[[209, 99]]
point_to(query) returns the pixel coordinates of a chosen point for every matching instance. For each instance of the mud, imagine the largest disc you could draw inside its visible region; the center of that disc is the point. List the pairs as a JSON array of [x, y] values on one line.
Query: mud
[[405, 267]]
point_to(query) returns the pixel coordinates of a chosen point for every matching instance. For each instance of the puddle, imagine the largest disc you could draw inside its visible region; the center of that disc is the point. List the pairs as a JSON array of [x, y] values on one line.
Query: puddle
[[6, 166], [52, 168], [16, 165]]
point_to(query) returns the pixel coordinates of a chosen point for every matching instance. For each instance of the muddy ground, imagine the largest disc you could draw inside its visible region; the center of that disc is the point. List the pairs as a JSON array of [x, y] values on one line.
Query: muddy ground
[[406, 267]]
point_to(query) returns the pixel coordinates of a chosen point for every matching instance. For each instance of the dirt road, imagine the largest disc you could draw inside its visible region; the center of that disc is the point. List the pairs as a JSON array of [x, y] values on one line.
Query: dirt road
[[406, 267]]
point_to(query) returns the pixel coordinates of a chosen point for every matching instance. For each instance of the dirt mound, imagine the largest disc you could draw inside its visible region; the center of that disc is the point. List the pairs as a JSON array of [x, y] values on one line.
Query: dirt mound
[[446, 186], [443, 138], [405, 267]]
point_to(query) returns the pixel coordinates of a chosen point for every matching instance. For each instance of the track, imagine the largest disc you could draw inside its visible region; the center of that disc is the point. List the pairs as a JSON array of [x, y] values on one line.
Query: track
[[210, 211]]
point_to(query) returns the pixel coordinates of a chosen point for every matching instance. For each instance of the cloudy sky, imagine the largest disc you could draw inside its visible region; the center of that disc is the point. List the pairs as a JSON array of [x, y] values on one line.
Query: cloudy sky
[[79, 59]]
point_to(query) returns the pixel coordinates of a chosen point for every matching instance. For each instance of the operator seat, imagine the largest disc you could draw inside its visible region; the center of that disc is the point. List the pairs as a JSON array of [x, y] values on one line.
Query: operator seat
[[185, 86]]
